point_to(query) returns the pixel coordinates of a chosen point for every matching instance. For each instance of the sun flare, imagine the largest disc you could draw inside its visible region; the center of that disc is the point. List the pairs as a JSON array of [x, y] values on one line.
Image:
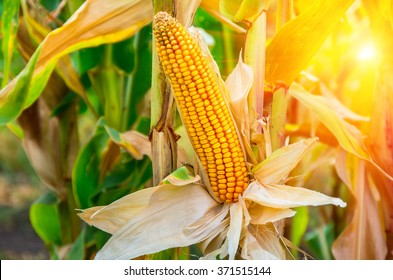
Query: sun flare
[[367, 52]]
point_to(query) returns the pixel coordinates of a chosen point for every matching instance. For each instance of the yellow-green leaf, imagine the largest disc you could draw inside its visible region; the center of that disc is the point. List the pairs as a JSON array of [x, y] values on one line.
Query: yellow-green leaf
[[37, 31], [8, 33], [181, 177], [297, 41], [13, 98], [96, 22], [213, 7], [243, 10]]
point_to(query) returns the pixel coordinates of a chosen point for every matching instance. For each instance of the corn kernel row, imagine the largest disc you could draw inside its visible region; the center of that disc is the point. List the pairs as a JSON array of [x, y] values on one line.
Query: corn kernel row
[[203, 108]]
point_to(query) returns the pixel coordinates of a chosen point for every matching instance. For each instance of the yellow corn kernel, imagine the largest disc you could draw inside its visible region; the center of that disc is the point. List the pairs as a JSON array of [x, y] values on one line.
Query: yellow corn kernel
[[202, 107]]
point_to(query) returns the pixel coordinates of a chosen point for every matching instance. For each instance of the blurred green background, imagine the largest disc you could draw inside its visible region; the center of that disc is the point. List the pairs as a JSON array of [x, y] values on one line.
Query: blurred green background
[[19, 187]]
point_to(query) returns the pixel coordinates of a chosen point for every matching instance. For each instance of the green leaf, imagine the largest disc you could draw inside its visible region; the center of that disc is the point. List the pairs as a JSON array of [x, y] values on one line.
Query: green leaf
[[8, 32], [299, 225], [106, 81], [320, 241], [297, 41], [99, 176], [77, 251], [181, 176], [101, 238], [86, 172], [89, 58], [96, 237], [124, 54], [45, 219], [16, 130], [138, 82], [50, 5], [13, 99], [64, 104]]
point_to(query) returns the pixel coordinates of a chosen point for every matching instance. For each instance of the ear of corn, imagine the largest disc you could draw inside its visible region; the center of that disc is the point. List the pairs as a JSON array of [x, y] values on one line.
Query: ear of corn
[[203, 108]]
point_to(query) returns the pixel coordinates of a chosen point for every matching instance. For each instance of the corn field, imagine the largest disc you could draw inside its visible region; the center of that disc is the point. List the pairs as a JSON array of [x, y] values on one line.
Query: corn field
[[204, 129]]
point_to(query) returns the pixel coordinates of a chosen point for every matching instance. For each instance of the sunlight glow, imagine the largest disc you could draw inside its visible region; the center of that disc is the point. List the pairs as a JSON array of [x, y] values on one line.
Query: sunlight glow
[[368, 52]]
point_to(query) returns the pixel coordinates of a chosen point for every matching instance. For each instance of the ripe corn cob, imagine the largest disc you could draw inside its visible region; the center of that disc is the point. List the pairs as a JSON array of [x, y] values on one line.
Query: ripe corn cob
[[202, 107]]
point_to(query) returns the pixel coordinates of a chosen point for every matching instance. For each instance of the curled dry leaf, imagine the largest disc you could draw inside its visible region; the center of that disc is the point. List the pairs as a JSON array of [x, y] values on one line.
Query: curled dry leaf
[[282, 161], [136, 144], [348, 136], [282, 196], [171, 216]]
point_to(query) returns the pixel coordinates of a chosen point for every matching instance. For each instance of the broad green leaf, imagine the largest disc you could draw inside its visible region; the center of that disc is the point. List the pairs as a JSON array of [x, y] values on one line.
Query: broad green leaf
[[119, 173], [96, 237], [297, 41], [8, 34], [45, 218], [86, 173], [102, 174], [320, 241], [348, 136], [138, 82], [299, 225], [77, 251], [123, 53], [13, 97], [96, 22], [50, 5], [128, 175], [106, 81]]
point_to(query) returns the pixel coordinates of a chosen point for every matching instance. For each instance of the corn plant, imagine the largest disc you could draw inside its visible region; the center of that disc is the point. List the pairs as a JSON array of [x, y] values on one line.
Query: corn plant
[[160, 140]]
